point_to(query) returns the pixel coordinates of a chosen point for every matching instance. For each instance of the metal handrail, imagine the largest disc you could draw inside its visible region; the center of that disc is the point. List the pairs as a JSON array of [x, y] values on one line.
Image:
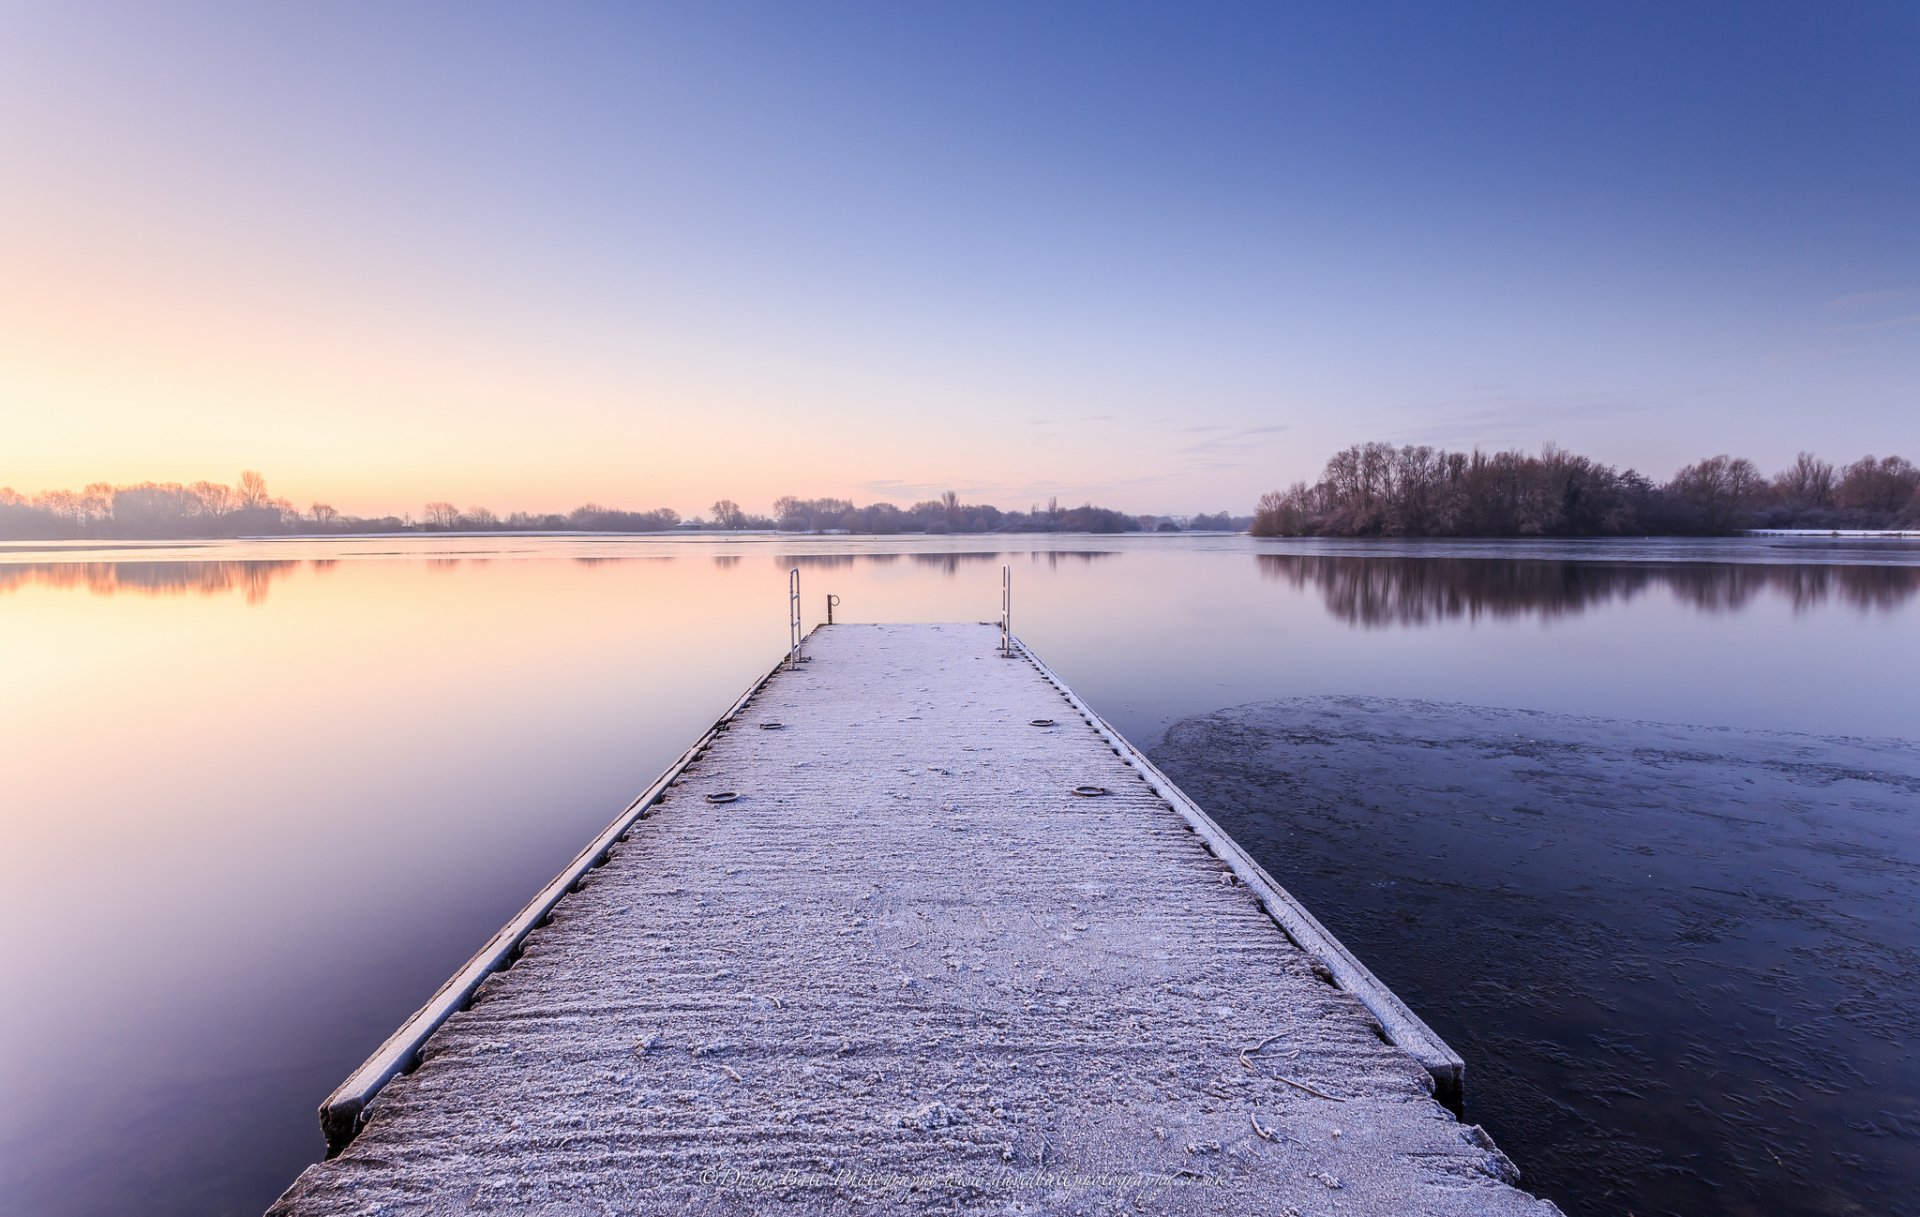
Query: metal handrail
[[1006, 612], [795, 635]]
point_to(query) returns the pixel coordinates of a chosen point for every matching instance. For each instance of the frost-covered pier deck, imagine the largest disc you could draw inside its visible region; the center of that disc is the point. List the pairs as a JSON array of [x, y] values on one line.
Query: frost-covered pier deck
[[907, 968]]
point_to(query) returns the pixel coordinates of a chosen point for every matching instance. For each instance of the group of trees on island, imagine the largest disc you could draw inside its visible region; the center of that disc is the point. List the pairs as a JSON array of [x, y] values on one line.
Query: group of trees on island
[[153, 510], [1381, 490]]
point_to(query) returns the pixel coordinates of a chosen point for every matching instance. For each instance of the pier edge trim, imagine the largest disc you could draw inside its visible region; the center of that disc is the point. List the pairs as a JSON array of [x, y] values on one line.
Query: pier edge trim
[[344, 1112], [1402, 1027]]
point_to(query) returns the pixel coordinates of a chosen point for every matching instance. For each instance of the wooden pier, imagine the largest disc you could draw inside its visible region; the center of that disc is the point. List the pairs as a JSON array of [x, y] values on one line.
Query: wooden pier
[[910, 930]]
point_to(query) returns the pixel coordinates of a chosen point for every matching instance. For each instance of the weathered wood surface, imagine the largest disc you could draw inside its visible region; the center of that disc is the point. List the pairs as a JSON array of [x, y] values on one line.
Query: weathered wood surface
[[1402, 1026], [908, 971], [342, 1113]]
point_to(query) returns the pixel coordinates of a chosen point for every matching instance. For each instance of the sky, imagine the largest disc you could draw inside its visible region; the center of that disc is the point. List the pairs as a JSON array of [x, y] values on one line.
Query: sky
[[1164, 257]]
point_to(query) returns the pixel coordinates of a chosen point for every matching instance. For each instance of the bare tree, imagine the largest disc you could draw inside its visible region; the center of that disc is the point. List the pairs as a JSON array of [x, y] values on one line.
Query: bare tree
[[727, 514], [216, 498], [442, 514], [1280, 515], [1721, 489], [252, 491], [324, 514], [1807, 482], [1883, 485]]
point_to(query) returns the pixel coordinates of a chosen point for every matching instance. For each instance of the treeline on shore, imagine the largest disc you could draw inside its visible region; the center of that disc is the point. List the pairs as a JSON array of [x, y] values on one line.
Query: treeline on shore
[[1372, 489], [161, 510], [1380, 490], [947, 514]]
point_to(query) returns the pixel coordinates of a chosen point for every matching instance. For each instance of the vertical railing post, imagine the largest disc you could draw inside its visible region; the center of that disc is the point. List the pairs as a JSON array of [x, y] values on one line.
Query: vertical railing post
[[1006, 612], [793, 619], [832, 600]]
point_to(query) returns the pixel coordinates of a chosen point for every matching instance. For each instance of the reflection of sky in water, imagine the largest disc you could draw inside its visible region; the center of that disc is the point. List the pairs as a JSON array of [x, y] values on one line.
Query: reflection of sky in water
[[261, 798]]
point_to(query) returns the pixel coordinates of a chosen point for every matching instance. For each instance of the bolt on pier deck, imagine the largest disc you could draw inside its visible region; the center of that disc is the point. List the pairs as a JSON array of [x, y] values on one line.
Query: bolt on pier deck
[[906, 968]]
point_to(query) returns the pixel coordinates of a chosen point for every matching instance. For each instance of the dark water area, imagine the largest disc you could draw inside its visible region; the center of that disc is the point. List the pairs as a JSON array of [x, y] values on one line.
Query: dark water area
[[260, 798], [1681, 963]]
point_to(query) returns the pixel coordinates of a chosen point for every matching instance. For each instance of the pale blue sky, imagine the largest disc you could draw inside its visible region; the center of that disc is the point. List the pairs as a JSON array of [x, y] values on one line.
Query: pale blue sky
[[1166, 257]]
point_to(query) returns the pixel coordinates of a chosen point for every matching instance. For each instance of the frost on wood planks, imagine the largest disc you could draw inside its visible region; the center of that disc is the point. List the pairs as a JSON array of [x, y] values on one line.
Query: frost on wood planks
[[906, 968]]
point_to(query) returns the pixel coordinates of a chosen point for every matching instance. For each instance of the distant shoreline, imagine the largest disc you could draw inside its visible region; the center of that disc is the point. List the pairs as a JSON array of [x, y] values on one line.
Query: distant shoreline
[[831, 535], [1849, 533], [686, 534]]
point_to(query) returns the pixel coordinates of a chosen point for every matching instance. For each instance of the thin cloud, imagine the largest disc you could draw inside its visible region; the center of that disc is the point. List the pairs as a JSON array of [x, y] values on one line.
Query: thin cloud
[[1008, 496], [1862, 327], [1235, 441], [1859, 300], [1855, 314], [914, 492], [1496, 416]]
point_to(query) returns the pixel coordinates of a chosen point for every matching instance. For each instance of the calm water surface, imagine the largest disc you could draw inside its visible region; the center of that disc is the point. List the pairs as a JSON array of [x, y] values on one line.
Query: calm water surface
[[259, 799]]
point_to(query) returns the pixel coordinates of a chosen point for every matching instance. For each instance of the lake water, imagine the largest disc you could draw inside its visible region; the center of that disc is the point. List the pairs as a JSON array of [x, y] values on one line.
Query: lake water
[[259, 799]]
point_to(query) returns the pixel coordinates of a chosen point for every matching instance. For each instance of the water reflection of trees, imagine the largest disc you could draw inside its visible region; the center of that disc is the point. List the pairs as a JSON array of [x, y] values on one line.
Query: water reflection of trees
[[1860, 587], [950, 564], [1053, 557], [250, 579], [1415, 591], [595, 561], [813, 561], [943, 562], [946, 563]]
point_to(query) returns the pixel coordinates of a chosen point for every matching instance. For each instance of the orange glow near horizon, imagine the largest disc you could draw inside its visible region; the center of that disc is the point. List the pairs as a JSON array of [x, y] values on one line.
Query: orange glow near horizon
[[123, 361], [124, 381]]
